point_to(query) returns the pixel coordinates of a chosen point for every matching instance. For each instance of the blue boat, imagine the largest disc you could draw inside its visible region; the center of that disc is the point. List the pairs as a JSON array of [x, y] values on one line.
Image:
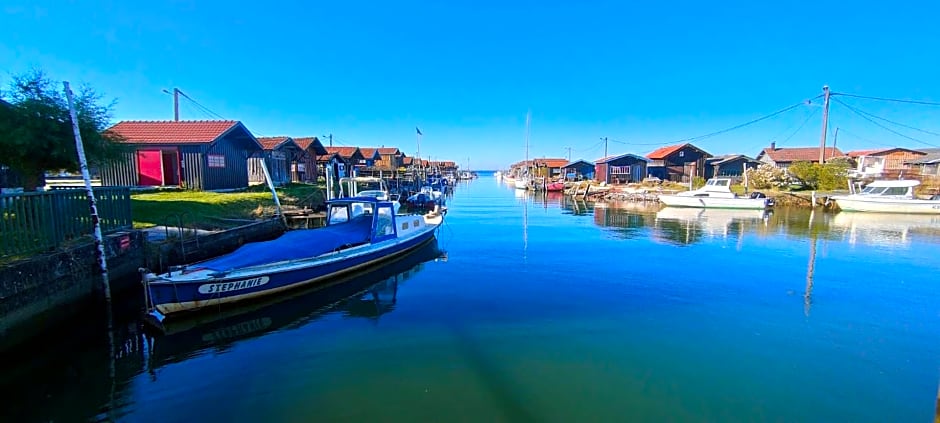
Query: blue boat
[[360, 232]]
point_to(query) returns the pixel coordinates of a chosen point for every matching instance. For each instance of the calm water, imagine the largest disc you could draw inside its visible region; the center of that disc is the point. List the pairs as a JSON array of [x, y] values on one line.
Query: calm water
[[542, 309]]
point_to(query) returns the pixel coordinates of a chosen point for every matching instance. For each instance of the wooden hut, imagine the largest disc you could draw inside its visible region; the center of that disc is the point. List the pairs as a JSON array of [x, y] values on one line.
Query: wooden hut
[[306, 169], [550, 168], [349, 158], [370, 156], [621, 169], [201, 155], [730, 165], [678, 163], [280, 154], [578, 170]]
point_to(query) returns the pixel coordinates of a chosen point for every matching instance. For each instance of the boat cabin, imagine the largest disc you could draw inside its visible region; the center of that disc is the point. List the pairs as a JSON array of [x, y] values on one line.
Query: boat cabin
[[896, 189], [364, 211]]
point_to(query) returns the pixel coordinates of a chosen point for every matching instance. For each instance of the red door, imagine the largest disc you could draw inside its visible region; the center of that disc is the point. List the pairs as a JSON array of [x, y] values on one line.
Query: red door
[[149, 168]]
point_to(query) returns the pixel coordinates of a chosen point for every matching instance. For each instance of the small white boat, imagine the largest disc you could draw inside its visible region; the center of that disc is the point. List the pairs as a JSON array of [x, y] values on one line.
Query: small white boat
[[888, 197], [716, 194], [521, 183]]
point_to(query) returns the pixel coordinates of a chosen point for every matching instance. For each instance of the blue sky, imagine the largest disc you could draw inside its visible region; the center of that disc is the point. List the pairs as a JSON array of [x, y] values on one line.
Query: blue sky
[[642, 74]]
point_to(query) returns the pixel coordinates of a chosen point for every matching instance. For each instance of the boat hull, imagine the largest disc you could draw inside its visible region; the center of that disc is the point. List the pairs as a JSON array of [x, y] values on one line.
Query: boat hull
[[715, 202], [521, 184], [887, 205], [174, 297]]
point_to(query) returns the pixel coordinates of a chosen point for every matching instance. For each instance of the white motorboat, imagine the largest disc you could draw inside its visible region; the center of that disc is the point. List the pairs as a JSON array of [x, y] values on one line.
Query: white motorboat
[[716, 194], [889, 197], [521, 183]]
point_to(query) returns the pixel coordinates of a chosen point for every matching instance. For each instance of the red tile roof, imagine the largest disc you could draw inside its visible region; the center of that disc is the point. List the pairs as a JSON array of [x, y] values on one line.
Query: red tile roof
[[551, 162], [389, 150], [344, 152], [270, 143], [800, 154], [663, 152], [877, 152], [304, 142], [859, 153], [171, 132], [369, 152]]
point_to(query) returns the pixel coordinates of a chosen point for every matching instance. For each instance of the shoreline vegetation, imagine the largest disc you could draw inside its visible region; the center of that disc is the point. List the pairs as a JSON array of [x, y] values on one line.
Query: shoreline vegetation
[[218, 210]]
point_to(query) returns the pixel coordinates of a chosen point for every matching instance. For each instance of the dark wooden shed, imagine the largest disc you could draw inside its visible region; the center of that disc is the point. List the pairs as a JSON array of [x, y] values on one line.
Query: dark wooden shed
[[677, 163], [621, 169], [728, 165], [201, 155], [578, 170], [281, 155], [306, 169]]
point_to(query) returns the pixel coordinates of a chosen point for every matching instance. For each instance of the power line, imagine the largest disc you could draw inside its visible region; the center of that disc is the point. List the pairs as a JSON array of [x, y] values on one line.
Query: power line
[[897, 123], [853, 135], [751, 122], [896, 100], [882, 126], [201, 107], [636, 143], [808, 117]]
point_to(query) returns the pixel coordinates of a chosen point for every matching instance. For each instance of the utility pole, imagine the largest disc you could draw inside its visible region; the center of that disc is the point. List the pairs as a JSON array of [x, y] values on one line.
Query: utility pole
[[605, 146], [569, 153], [825, 126], [176, 103], [330, 136]]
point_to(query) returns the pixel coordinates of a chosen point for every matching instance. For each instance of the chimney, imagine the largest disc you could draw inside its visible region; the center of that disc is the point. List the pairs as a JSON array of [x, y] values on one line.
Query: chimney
[[773, 145]]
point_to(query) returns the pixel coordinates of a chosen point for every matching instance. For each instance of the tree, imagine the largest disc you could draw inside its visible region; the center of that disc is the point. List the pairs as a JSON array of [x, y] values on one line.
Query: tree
[[827, 177], [36, 133]]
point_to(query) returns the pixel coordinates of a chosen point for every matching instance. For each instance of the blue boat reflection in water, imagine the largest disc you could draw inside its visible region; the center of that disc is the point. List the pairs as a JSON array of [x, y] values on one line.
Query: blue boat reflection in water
[[364, 295]]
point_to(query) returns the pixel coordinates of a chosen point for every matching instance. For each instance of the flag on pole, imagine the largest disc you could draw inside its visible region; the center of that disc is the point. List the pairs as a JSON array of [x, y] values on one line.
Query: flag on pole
[[418, 131]]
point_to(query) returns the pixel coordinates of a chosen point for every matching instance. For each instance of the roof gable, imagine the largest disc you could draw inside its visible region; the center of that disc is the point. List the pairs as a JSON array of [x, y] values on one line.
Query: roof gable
[[881, 151], [799, 154], [578, 162], [273, 143], [370, 153], [612, 158], [306, 143], [551, 162], [389, 151], [345, 152], [173, 132]]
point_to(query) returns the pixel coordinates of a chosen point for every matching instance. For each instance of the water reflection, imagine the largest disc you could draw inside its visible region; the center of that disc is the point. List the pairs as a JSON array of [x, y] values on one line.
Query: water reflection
[[885, 229], [365, 295], [41, 387], [686, 226]]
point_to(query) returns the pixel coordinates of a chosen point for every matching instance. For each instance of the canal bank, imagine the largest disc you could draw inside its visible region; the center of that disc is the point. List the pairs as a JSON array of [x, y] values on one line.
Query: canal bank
[[40, 293]]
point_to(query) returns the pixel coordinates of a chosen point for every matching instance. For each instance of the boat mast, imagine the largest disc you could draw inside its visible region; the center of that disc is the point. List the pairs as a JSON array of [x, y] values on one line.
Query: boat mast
[[528, 118]]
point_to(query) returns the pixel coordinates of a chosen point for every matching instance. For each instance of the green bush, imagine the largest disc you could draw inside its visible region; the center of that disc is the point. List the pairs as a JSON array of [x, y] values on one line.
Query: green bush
[[698, 182], [826, 177]]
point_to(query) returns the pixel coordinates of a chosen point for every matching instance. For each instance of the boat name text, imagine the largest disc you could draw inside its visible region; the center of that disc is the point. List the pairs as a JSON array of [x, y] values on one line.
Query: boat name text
[[215, 288]]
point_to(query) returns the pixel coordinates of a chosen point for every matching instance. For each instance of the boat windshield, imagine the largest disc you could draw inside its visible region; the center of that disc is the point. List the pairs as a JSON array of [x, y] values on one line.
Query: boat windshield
[[369, 186], [343, 212], [874, 190], [719, 182]]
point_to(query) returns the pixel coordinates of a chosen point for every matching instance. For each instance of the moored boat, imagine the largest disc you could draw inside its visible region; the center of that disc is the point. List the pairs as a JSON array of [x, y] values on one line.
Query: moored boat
[[555, 186], [888, 197], [360, 232], [716, 194]]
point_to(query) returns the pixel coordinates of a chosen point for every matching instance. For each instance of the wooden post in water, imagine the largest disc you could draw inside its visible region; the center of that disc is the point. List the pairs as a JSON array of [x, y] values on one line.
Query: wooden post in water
[[745, 176], [92, 204], [277, 201], [825, 126]]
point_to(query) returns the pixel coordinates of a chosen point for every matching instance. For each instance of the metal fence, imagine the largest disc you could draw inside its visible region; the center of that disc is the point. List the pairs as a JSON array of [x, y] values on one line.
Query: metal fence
[[40, 221]]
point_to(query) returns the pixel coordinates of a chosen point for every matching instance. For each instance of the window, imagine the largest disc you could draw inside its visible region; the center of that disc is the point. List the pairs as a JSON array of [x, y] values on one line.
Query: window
[[384, 225], [338, 214], [216, 160], [620, 170], [682, 154], [895, 191]]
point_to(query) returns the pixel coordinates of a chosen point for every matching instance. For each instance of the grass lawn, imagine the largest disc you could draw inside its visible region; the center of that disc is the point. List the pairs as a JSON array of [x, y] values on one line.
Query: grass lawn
[[214, 210]]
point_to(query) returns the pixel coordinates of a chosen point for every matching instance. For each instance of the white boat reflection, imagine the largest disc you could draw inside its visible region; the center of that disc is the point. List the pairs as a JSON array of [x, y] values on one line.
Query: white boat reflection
[[884, 229], [711, 222]]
